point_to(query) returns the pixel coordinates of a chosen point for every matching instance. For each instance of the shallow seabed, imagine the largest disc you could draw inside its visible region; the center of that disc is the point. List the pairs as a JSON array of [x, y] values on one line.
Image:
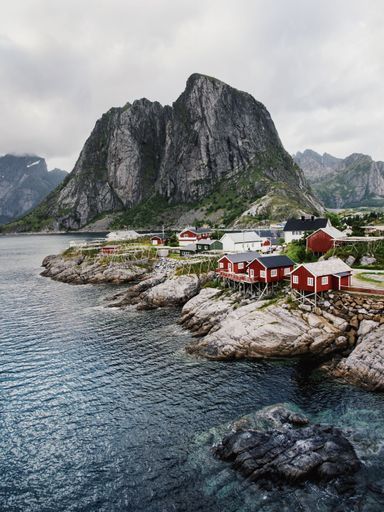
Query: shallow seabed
[[102, 410]]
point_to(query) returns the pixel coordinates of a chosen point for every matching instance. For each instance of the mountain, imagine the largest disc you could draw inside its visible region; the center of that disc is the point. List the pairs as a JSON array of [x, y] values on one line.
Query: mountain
[[24, 183], [212, 154], [351, 182]]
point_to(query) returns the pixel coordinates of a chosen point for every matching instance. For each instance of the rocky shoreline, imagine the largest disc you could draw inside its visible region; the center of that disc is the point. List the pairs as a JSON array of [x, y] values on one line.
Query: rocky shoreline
[[80, 269], [344, 334]]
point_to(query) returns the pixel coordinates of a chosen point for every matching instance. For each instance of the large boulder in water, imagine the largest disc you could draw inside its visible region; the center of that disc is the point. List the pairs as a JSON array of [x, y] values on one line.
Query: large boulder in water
[[284, 454]]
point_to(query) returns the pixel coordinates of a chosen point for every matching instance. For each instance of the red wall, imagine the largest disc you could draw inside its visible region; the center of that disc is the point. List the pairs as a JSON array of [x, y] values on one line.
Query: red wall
[[235, 266], [319, 242], [333, 281], [303, 274], [195, 236], [187, 234], [256, 266]]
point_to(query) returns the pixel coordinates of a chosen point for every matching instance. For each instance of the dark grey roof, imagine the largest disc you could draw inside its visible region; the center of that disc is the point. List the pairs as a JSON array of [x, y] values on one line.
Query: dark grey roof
[[238, 257], [189, 247], [271, 234], [305, 224], [207, 241], [275, 261]]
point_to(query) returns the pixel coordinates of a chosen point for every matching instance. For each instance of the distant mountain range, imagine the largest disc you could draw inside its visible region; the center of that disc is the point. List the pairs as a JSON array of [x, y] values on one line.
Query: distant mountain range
[[343, 182], [24, 182], [214, 154]]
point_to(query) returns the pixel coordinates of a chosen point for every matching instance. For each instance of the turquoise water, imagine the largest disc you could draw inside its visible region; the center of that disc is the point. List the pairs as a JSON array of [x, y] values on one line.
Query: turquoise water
[[102, 410]]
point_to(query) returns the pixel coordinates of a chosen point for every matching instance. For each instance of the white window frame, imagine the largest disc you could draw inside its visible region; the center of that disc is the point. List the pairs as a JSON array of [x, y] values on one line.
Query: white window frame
[[251, 273], [262, 273], [287, 270], [221, 264], [310, 281], [274, 272], [324, 280], [240, 266], [295, 279]]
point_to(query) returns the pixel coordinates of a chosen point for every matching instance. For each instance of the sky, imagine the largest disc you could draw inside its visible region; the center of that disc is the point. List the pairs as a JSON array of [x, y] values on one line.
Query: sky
[[318, 66]]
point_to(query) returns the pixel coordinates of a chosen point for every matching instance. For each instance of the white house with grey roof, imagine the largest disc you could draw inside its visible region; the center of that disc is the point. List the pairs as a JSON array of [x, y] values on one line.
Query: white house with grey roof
[[243, 241]]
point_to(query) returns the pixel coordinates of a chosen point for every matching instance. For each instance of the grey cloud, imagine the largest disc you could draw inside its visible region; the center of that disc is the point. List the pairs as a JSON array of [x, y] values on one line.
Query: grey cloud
[[317, 66]]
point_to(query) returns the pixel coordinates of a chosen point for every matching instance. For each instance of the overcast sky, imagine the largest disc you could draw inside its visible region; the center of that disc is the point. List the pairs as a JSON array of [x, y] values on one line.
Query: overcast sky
[[317, 65]]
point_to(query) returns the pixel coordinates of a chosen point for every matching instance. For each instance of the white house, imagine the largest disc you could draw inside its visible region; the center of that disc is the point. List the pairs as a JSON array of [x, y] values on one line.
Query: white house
[[243, 241], [295, 229]]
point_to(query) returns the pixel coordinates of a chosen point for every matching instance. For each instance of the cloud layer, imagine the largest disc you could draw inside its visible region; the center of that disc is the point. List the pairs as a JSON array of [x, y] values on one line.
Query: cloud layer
[[317, 66]]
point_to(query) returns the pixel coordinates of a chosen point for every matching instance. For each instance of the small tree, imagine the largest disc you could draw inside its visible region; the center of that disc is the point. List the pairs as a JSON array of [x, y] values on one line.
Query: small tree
[[173, 240]]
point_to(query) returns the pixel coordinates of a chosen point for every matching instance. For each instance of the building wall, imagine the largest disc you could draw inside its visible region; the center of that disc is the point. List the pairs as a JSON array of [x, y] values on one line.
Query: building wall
[[228, 266], [303, 275], [320, 242], [257, 267], [289, 236], [321, 286], [230, 246]]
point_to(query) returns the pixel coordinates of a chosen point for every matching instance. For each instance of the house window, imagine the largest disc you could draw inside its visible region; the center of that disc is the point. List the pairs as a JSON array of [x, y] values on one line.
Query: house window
[[286, 271], [310, 281], [241, 266], [274, 272], [295, 279], [262, 273], [324, 280], [221, 265]]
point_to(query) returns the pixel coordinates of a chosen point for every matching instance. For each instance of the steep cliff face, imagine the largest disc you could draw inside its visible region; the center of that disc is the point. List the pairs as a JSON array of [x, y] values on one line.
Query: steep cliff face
[[214, 142], [24, 182], [353, 181]]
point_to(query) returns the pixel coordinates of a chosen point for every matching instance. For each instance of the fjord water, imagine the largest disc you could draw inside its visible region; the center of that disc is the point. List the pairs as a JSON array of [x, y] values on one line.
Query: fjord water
[[100, 409]]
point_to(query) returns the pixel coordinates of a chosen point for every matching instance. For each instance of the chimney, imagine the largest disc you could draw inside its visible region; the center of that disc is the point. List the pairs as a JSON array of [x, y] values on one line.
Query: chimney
[[312, 217], [303, 217]]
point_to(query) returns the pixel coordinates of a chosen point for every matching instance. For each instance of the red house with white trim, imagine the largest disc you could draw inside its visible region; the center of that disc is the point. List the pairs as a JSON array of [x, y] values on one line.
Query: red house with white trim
[[269, 269], [320, 241], [192, 235], [321, 276], [236, 263]]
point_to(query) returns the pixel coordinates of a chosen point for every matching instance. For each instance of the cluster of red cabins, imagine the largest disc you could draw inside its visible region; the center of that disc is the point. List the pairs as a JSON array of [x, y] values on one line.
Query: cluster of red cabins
[[252, 267]]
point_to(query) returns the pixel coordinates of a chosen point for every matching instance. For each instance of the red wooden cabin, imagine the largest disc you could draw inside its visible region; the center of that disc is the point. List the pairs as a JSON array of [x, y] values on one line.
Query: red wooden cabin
[[269, 269], [158, 240], [237, 262], [323, 239], [321, 276]]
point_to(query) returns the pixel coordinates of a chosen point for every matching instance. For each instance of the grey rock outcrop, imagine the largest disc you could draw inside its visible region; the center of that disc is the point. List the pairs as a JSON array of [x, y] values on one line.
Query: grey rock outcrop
[[210, 137], [24, 182], [289, 455], [80, 270], [365, 364], [256, 331]]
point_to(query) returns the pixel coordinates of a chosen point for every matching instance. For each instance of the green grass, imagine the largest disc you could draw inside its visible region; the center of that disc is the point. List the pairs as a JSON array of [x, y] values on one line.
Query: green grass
[[297, 252]]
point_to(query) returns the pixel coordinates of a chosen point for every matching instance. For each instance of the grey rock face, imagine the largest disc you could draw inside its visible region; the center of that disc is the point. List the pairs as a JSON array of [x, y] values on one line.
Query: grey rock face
[[353, 181], [24, 182], [211, 134], [365, 365]]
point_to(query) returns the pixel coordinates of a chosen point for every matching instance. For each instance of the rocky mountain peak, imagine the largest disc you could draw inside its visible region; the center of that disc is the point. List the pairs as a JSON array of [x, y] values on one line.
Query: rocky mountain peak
[[354, 181], [214, 146], [24, 182]]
